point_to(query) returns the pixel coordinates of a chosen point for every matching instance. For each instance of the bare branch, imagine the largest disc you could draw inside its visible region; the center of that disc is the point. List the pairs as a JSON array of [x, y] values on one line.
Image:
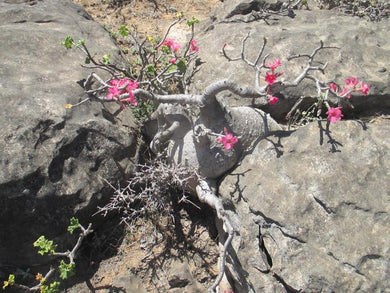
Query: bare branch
[[175, 99], [309, 65], [167, 32], [212, 90], [163, 136]]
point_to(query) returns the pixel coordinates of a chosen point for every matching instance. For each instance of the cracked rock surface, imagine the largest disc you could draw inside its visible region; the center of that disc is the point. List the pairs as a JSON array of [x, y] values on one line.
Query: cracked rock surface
[[313, 208]]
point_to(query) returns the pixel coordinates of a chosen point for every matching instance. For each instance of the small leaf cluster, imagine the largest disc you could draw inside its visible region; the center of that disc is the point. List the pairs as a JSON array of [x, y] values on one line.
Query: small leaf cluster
[[192, 21], [143, 110], [74, 224], [50, 288], [68, 43], [66, 269], [9, 282], [45, 245]]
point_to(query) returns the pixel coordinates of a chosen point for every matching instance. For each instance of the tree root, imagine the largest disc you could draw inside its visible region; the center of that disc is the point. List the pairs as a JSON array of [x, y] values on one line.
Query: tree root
[[206, 195]]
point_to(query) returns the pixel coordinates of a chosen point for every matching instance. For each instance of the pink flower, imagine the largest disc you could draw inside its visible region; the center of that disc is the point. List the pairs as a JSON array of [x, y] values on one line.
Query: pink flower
[[175, 47], [352, 81], [364, 88], [345, 93], [193, 46], [114, 82], [122, 86], [168, 42], [352, 84], [272, 100], [132, 85], [275, 63], [120, 83], [270, 78], [334, 88], [113, 93], [228, 140], [172, 44], [172, 61], [334, 114]]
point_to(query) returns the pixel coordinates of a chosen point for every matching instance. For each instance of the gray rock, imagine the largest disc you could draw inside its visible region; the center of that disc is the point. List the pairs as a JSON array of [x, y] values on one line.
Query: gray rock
[[314, 210], [363, 53], [128, 282], [52, 160], [180, 278], [231, 9], [180, 275]]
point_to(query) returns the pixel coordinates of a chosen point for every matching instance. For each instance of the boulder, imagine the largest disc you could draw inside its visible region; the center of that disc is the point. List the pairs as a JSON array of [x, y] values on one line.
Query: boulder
[[312, 210], [360, 50], [53, 159]]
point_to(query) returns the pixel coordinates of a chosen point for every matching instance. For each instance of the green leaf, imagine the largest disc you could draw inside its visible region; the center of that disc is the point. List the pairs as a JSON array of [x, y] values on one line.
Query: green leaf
[[150, 69], [46, 246], [11, 279], [123, 31], [106, 58], [79, 43], [181, 65], [87, 60], [192, 21], [66, 270], [165, 49], [68, 42], [143, 110], [74, 224]]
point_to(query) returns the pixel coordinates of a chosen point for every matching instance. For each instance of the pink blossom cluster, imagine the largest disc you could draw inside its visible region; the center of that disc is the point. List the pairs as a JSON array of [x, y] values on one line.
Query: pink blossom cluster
[[171, 43], [122, 86], [271, 76], [228, 140], [352, 84]]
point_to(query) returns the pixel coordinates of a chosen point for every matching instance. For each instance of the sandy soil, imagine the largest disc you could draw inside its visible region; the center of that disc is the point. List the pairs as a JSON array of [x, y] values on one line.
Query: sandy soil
[[151, 17]]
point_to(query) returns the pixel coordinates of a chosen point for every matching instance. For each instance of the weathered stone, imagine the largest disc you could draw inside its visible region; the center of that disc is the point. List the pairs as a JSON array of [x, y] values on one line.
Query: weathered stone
[[128, 282], [313, 208], [52, 160], [362, 52], [180, 275]]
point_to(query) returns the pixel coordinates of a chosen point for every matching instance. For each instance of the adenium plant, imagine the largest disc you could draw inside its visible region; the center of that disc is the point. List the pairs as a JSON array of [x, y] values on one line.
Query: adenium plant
[[196, 140]]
